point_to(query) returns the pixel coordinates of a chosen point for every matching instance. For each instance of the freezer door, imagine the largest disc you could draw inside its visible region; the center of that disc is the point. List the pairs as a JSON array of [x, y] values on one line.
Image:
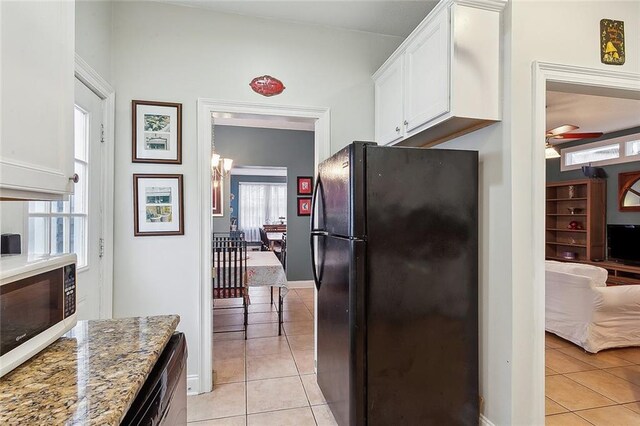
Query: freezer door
[[340, 194], [341, 330]]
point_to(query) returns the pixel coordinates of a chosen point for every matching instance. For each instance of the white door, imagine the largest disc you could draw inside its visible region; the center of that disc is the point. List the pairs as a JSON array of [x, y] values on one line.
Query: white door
[[427, 74], [389, 114], [75, 226], [89, 161]]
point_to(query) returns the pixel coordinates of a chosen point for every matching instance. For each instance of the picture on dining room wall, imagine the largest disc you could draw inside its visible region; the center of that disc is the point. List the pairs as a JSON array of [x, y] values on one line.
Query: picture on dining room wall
[[157, 132], [305, 185], [304, 206], [216, 198], [158, 205]]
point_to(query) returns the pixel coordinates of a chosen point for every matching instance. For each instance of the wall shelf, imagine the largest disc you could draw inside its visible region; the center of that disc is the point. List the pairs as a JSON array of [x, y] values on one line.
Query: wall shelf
[[588, 195]]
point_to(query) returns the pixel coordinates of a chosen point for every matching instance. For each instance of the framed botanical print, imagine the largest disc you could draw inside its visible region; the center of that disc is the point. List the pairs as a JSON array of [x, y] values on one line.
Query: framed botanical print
[[305, 185], [158, 205], [157, 132]]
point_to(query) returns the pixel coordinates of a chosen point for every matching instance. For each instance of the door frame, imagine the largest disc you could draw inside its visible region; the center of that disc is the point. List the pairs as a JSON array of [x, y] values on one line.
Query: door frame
[[203, 382], [594, 80], [98, 85]]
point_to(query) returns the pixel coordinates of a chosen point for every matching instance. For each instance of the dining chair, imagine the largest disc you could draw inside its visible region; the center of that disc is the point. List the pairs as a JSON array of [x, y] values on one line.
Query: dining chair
[[229, 251], [283, 259], [264, 239]]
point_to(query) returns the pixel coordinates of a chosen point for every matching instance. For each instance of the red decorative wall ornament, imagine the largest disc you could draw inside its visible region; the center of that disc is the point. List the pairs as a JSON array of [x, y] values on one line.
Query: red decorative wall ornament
[[267, 85]]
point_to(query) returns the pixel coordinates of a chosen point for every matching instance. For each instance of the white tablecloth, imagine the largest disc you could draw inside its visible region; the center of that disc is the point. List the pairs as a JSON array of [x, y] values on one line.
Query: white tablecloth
[[264, 269]]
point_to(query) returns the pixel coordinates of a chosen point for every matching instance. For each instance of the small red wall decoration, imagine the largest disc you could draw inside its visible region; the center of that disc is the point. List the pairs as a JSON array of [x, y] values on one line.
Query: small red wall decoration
[[267, 85]]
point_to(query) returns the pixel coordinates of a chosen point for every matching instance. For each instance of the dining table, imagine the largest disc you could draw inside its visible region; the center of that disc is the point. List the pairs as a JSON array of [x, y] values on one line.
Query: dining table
[[265, 270]]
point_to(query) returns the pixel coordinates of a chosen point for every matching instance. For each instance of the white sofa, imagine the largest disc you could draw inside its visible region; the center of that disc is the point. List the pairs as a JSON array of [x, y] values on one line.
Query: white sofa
[[582, 309]]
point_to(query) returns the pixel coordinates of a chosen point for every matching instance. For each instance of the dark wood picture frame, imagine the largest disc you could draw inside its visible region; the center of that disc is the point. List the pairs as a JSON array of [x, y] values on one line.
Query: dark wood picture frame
[[216, 197], [304, 184], [304, 206], [136, 224], [626, 182], [134, 132]]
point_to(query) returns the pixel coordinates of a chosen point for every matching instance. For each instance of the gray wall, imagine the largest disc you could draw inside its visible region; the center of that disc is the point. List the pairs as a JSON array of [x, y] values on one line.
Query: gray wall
[[613, 214], [292, 149]]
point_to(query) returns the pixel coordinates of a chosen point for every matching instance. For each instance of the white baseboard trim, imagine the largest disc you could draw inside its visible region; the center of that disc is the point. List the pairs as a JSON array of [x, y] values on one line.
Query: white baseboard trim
[[300, 284], [485, 421], [193, 384]]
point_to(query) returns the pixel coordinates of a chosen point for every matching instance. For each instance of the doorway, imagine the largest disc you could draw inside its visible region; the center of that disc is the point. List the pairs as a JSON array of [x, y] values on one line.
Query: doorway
[[319, 117], [564, 79]]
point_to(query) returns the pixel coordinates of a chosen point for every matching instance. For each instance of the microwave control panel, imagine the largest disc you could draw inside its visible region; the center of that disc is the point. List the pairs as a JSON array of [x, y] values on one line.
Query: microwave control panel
[[69, 290]]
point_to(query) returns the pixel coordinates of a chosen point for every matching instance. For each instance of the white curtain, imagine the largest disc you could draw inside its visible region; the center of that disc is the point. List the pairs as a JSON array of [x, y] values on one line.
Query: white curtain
[[260, 203]]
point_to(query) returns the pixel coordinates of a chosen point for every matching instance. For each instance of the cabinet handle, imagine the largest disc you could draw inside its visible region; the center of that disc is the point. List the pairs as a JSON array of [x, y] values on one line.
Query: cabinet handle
[[75, 178], [406, 123], [397, 129]]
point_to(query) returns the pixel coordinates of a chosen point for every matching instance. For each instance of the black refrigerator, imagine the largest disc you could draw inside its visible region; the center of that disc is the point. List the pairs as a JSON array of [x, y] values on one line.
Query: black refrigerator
[[394, 239]]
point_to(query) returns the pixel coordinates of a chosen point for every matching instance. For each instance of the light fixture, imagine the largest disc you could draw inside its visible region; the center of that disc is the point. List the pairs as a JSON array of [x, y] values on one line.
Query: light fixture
[[550, 152], [220, 167]]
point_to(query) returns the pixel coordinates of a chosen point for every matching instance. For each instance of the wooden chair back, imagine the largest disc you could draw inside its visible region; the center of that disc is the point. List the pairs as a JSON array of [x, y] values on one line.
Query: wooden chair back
[[230, 265]]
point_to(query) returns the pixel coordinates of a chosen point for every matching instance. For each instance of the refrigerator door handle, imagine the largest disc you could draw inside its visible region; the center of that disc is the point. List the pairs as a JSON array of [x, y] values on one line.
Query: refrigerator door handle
[[316, 277], [317, 191]]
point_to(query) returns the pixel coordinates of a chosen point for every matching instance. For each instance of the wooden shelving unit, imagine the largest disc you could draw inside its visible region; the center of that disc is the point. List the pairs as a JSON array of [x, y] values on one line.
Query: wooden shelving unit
[[588, 199]]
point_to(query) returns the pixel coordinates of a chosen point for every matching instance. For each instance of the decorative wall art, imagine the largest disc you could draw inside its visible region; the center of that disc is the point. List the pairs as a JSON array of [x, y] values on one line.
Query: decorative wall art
[[304, 206], [157, 132], [267, 86], [158, 205], [612, 46], [305, 185], [216, 199]]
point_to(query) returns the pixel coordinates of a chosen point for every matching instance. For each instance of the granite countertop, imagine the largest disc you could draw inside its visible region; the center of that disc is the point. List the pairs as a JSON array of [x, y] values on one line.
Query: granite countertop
[[89, 376]]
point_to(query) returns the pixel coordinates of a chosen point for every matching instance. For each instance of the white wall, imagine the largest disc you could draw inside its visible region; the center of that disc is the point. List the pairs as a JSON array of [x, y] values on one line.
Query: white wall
[[93, 35], [512, 358], [171, 53]]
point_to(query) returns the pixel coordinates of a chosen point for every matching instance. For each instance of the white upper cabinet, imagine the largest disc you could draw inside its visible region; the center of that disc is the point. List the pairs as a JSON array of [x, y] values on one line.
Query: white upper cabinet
[[389, 117], [37, 80], [450, 76]]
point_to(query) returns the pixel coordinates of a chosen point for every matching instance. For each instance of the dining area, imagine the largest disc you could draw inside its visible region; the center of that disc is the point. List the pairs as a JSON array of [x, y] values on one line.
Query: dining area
[[236, 269]]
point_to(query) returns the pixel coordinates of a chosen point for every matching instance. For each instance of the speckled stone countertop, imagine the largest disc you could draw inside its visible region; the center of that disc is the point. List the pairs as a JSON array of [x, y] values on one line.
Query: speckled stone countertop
[[90, 376]]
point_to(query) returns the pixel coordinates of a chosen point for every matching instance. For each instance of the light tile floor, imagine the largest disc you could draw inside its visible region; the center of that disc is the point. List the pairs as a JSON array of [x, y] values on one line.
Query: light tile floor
[[591, 389], [267, 380]]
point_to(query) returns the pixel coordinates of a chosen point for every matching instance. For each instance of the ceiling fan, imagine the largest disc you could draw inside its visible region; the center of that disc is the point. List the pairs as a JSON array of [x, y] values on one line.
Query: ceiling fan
[[562, 134]]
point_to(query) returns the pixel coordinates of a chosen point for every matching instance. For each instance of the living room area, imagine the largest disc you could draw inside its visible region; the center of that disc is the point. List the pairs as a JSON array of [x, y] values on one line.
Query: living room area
[[592, 251]]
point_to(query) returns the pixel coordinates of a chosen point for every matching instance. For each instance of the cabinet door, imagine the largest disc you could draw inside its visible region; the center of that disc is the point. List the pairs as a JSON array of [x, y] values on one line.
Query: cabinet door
[[388, 103], [37, 74], [427, 61]]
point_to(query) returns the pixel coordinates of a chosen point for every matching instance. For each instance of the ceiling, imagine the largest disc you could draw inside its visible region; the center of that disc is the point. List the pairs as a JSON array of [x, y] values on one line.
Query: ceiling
[[592, 113], [389, 17]]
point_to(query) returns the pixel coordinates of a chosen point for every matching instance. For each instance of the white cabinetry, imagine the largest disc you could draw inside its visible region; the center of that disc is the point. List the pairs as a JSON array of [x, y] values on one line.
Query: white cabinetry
[[388, 88], [37, 81], [449, 76]]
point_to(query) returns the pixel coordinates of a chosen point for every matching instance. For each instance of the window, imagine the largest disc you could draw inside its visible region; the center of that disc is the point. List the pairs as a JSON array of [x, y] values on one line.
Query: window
[[61, 226], [612, 151], [260, 203]]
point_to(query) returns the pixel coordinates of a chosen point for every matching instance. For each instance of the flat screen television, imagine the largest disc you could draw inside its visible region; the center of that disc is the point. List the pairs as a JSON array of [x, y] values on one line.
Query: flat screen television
[[623, 243]]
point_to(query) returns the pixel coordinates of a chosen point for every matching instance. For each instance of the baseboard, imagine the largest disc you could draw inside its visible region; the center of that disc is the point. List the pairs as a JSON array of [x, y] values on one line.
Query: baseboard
[[485, 421], [193, 384], [300, 284]]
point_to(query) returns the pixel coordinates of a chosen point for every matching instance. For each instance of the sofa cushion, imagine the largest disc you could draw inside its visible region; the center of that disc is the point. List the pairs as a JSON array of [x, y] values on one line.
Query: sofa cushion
[[597, 275]]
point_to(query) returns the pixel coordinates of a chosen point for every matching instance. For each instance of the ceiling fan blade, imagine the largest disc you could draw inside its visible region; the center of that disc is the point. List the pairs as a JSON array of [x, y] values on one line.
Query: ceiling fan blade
[[585, 135], [561, 129]]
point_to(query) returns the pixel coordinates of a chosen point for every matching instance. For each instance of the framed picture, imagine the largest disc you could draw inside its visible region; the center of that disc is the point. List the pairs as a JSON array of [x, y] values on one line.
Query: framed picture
[[304, 206], [216, 199], [157, 132], [158, 205], [305, 185]]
